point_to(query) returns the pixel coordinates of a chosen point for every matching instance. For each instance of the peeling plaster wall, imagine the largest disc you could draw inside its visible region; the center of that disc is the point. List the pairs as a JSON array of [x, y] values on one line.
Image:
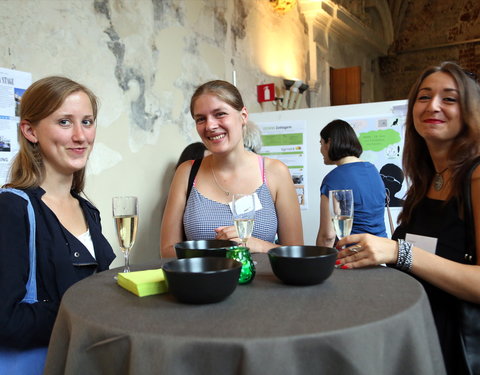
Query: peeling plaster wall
[[143, 59]]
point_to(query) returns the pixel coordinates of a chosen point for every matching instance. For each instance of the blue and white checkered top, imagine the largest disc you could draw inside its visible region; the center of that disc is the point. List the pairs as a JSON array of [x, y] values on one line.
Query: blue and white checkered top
[[203, 215]]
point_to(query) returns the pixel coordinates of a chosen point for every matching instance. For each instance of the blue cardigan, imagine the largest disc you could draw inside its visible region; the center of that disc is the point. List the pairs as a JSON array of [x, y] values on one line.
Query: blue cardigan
[[62, 260]]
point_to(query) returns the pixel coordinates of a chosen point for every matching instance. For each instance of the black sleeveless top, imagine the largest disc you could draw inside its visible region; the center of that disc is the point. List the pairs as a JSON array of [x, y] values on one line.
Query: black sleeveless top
[[440, 219]]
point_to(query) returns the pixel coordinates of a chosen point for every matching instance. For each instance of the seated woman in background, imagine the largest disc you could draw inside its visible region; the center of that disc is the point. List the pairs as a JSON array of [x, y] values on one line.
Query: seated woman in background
[[220, 116], [193, 151], [56, 135], [340, 146], [442, 144]]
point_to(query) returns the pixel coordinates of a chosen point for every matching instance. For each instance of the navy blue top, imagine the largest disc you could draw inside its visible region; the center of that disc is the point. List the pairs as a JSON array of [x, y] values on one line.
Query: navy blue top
[[368, 195], [62, 260]]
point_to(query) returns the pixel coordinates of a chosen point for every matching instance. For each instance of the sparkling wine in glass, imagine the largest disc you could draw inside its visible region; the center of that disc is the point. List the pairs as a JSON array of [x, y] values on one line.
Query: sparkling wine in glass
[[243, 209], [125, 213], [341, 211]]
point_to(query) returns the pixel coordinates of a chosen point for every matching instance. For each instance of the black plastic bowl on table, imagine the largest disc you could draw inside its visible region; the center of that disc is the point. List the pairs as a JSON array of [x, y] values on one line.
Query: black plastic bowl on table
[[202, 280], [203, 248], [302, 265]]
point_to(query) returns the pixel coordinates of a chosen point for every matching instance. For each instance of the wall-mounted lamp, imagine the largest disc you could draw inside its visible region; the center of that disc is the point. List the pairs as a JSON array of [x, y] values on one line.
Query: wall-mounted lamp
[[293, 94], [286, 93], [283, 6], [301, 90]]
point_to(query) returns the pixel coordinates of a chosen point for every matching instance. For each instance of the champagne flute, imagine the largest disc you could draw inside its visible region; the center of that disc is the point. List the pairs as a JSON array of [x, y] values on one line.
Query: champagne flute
[[243, 209], [125, 213], [340, 203]]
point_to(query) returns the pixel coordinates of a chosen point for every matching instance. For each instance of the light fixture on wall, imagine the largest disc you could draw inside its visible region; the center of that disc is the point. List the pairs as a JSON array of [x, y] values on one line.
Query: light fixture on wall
[[293, 95], [301, 89], [283, 6], [286, 92]]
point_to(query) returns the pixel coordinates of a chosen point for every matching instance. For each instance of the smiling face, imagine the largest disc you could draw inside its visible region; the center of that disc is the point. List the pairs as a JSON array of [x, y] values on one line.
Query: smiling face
[[219, 125], [437, 115], [65, 138]]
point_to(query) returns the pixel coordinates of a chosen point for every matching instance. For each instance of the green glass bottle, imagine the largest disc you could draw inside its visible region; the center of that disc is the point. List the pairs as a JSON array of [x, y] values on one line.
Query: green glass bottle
[[242, 254]]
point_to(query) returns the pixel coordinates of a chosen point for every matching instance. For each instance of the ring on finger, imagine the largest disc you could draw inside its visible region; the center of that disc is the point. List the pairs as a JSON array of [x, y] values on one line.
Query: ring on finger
[[355, 249]]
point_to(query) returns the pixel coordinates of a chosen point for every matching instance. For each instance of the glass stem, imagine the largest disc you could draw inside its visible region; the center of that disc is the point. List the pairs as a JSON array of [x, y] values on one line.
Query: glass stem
[[126, 254]]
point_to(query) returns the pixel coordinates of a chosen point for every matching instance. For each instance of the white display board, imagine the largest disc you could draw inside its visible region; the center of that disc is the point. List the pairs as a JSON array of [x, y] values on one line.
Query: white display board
[[13, 84], [359, 115]]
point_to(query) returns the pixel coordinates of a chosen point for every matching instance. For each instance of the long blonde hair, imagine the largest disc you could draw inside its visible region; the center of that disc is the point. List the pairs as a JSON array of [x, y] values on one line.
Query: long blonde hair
[[39, 101]]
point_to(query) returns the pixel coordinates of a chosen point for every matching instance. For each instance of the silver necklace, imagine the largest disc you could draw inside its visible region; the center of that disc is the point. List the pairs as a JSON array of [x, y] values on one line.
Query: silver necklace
[[227, 193], [438, 180]]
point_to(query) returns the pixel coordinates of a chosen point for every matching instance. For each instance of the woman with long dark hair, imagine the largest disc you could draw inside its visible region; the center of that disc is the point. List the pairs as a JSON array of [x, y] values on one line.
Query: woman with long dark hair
[[442, 144]]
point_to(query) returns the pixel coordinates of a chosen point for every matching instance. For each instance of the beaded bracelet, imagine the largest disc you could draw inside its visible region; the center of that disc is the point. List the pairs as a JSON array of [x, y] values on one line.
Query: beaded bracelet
[[405, 258]]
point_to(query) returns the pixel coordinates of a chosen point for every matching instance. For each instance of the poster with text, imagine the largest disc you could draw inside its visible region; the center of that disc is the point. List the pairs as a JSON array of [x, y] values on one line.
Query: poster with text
[[13, 84], [285, 141], [382, 138]]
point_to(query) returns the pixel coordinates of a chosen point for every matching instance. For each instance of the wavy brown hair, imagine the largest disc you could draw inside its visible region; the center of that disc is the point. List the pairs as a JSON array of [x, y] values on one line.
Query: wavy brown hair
[[417, 162], [39, 101]]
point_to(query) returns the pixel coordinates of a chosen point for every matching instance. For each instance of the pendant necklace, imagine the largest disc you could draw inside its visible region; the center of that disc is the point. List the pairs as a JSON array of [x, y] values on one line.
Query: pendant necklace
[[227, 193], [438, 180]]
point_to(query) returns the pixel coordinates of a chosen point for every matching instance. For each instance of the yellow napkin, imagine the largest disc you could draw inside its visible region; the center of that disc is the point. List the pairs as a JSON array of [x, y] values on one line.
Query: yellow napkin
[[143, 283]]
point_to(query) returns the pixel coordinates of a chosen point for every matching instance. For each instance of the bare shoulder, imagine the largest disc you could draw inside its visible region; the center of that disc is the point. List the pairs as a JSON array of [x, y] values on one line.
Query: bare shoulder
[[182, 174], [185, 167], [274, 166]]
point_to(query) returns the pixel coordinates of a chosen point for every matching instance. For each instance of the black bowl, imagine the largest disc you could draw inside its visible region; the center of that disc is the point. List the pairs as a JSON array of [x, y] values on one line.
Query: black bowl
[[302, 265], [202, 280], [203, 248]]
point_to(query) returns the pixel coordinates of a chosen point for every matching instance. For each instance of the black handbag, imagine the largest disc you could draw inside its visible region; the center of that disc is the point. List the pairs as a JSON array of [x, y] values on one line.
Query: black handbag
[[470, 312]]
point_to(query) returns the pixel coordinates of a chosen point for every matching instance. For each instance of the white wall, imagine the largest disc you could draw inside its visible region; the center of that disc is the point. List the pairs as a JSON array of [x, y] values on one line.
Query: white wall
[[143, 58]]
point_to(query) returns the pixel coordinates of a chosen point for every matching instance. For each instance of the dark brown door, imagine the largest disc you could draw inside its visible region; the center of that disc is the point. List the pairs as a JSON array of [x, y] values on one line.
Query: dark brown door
[[345, 86]]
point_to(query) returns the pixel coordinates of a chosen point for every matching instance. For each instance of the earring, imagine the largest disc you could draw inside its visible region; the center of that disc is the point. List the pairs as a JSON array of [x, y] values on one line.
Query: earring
[[35, 148]]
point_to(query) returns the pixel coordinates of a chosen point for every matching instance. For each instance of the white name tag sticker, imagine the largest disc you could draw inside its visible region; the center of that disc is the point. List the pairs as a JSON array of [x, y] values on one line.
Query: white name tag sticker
[[426, 243], [244, 206], [258, 205]]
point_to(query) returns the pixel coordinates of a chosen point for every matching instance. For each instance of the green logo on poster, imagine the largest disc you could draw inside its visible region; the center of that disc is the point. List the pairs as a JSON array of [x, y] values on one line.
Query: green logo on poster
[[377, 140]]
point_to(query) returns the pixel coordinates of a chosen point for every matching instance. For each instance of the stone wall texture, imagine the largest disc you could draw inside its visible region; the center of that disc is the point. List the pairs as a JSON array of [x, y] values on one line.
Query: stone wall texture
[[432, 31]]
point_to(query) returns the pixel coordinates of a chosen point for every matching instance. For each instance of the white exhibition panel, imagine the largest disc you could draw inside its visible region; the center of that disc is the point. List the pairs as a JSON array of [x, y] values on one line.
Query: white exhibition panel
[[316, 119]]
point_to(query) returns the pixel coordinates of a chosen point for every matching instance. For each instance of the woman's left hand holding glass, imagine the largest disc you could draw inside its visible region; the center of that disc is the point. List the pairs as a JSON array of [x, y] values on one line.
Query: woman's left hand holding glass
[[363, 250]]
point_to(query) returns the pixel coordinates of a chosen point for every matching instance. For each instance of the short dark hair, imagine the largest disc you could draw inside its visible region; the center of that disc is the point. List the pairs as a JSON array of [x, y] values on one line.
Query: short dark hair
[[342, 139]]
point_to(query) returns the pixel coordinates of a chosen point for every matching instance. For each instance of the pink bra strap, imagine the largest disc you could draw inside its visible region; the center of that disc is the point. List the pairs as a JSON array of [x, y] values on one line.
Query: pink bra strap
[[261, 164]]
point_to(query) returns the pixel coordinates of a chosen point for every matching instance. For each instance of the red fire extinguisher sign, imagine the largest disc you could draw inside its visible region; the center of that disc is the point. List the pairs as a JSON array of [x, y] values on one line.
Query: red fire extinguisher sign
[[266, 93]]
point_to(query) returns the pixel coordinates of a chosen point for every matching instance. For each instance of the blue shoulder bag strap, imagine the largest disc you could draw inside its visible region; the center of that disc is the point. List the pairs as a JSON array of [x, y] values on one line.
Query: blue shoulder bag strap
[[31, 295], [31, 361]]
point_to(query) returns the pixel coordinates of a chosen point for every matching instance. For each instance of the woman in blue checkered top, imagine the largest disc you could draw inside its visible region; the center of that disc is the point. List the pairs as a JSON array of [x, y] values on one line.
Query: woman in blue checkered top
[[220, 115]]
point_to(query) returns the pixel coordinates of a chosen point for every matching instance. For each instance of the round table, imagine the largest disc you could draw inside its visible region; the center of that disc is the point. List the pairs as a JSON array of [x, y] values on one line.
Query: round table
[[366, 321]]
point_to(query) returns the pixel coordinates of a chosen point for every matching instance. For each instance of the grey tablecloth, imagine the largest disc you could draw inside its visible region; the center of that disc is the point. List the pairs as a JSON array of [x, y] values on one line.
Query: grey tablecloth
[[368, 321]]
